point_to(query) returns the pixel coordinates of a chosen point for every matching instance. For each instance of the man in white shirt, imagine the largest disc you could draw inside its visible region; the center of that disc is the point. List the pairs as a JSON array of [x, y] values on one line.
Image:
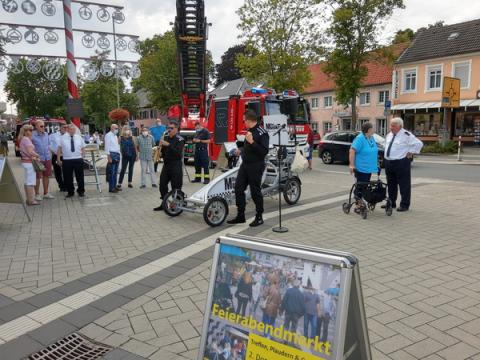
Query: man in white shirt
[[54, 143], [112, 148], [70, 153], [400, 146]]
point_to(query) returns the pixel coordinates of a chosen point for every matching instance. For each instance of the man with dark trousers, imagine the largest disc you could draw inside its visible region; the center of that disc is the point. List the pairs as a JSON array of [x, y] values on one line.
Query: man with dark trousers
[[400, 146], [253, 152], [172, 153], [201, 141]]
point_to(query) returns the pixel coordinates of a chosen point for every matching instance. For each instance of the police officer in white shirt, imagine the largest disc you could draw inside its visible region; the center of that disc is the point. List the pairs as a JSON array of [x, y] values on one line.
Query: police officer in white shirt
[[112, 148], [71, 151], [400, 146]]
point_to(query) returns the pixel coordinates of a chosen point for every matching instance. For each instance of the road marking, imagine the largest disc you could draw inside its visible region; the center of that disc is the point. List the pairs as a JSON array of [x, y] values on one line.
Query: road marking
[[33, 320]]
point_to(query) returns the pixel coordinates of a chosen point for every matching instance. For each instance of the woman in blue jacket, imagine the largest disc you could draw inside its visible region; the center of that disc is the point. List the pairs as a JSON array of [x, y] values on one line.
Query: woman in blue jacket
[[363, 160]]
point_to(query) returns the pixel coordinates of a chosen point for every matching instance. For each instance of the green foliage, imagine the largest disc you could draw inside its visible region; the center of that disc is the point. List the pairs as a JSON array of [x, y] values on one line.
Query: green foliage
[[282, 38], [403, 36], [100, 97], [160, 77], [227, 70], [354, 32], [451, 147], [35, 95]]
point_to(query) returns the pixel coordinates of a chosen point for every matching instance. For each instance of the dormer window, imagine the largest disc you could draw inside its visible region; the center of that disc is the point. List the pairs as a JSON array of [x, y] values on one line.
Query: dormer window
[[453, 36]]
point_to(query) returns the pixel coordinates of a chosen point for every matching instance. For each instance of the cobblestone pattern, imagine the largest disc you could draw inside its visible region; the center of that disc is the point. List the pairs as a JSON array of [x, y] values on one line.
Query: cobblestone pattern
[[420, 276], [68, 239]]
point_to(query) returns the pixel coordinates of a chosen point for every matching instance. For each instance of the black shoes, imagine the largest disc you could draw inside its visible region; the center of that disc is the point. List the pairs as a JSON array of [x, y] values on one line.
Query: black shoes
[[402, 209], [114, 191], [240, 219], [154, 185], [385, 206], [206, 182], [159, 208], [258, 221], [196, 181]]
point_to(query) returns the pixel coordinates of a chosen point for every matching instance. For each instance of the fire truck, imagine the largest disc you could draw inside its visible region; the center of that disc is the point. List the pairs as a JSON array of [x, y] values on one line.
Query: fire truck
[[223, 117]]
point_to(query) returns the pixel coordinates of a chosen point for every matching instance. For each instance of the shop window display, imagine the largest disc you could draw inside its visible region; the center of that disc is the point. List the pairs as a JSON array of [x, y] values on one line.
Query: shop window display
[[465, 123], [427, 124]]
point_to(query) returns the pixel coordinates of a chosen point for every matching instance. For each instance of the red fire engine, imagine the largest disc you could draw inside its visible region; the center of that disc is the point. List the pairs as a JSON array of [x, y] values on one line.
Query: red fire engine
[[224, 116]]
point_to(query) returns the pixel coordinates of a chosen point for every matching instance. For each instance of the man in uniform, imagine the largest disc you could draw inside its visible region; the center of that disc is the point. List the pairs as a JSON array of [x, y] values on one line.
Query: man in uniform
[[400, 146], [172, 153], [253, 152], [201, 141]]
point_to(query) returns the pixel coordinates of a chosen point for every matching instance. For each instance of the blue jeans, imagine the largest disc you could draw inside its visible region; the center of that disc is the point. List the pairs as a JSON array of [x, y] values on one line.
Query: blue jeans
[[310, 319], [113, 171], [268, 320]]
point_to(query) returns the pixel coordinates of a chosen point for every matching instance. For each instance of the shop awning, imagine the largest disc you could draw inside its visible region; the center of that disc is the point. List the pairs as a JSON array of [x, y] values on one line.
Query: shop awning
[[434, 105]]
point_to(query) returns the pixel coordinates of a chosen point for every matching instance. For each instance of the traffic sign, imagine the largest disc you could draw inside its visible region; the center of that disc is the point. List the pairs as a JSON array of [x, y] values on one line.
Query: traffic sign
[[451, 92], [75, 108]]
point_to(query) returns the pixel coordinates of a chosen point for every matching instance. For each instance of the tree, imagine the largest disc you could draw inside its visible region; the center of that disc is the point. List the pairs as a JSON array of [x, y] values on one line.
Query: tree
[[100, 97], [403, 36], [35, 95], [354, 32], [227, 70], [160, 77], [282, 39]]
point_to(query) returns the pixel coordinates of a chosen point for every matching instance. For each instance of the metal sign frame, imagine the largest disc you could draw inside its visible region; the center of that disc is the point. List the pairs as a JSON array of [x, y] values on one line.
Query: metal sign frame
[[9, 187], [351, 339]]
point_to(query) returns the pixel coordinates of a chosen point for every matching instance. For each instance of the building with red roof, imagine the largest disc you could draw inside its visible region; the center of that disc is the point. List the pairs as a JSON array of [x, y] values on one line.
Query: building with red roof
[[328, 116]]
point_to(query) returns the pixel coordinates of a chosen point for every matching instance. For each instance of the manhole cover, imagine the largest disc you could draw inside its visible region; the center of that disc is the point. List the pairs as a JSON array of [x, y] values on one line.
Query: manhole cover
[[72, 347]]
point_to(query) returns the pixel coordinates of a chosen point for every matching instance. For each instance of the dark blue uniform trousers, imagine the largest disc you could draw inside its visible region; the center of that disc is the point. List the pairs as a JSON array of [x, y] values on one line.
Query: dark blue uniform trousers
[[202, 162], [399, 176]]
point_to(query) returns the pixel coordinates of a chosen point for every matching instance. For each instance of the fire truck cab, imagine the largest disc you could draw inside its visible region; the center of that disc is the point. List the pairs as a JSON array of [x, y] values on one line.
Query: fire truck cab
[[225, 115]]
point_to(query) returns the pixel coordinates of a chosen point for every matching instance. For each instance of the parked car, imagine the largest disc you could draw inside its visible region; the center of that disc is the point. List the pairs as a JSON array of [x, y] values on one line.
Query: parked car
[[335, 146]]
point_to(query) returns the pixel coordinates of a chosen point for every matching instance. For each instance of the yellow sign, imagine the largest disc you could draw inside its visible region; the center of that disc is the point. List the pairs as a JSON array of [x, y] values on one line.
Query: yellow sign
[[451, 92], [260, 348]]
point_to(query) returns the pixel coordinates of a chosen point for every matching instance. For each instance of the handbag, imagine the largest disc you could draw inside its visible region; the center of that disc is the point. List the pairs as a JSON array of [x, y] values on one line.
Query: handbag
[[264, 302], [300, 163], [38, 166]]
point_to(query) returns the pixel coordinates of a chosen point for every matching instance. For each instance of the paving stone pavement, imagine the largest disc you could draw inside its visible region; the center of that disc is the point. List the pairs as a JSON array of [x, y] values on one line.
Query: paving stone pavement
[[420, 277], [68, 239], [419, 269]]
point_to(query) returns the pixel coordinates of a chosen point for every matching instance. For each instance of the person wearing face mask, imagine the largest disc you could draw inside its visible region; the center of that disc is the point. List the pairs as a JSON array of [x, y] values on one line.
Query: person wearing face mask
[[128, 147], [157, 133], [112, 148], [145, 143]]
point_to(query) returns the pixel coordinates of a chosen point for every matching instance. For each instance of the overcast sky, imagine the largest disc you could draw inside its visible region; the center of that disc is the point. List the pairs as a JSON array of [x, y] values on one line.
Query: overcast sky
[[148, 17]]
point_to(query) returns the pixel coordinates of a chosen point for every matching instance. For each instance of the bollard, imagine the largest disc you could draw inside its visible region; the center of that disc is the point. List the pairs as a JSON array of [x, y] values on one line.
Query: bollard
[[459, 155]]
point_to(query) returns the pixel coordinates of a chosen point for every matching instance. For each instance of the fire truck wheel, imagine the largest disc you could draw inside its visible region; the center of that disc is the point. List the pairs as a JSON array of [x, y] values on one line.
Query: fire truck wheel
[[292, 191], [173, 202], [215, 212]]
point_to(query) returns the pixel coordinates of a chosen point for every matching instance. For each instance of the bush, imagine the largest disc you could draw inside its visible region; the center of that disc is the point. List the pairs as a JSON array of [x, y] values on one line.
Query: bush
[[451, 147]]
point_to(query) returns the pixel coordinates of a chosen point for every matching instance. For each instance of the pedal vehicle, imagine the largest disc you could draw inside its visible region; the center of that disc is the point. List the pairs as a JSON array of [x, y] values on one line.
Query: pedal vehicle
[[214, 199]]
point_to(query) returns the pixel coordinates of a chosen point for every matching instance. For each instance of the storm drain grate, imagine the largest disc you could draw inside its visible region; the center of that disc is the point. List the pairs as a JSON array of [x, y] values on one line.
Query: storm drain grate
[[72, 347]]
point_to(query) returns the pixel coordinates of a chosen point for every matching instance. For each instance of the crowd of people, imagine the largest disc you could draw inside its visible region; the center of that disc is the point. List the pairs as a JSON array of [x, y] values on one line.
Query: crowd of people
[[275, 296], [61, 153]]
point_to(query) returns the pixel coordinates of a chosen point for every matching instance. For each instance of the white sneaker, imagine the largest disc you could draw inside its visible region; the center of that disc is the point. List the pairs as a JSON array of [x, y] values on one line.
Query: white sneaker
[[38, 197], [48, 196]]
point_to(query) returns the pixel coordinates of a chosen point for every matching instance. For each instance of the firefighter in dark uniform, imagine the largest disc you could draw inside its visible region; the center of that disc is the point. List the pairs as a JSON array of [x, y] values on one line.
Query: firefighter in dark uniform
[[172, 154], [201, 141], [253, 152], [400, 146]]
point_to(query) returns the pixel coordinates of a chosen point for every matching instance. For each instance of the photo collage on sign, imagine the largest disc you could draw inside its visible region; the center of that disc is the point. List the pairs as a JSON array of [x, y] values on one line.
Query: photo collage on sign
[[289, 301]]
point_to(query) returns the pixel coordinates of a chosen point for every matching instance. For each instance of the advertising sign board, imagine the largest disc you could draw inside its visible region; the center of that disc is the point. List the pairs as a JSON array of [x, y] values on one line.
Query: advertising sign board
[[9, 191], [272, 124], [276, 301]]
